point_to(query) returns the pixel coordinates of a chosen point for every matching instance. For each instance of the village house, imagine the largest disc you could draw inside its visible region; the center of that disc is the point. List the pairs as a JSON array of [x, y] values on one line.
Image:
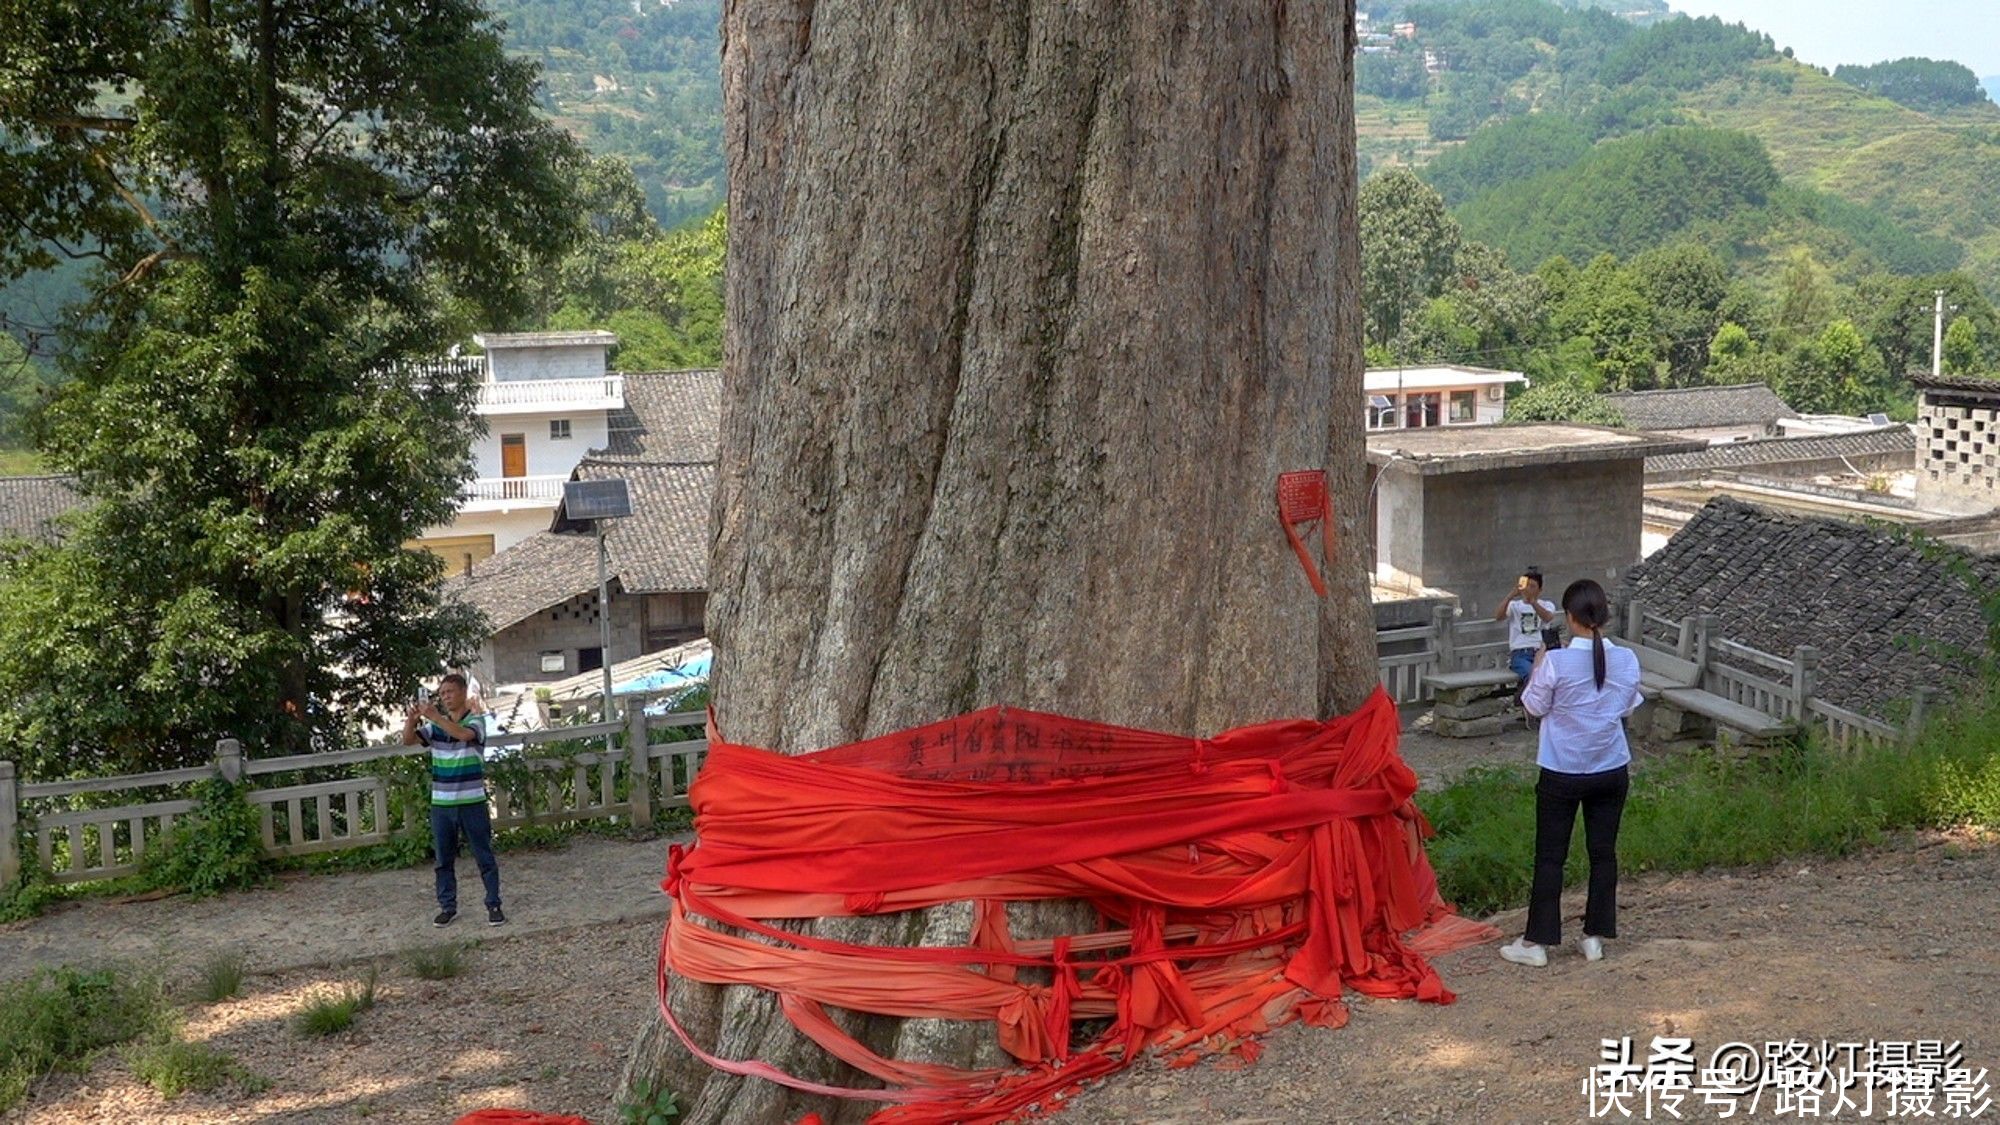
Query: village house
[[1717, 415], [1414, 398], [1464, 509], [1885, 615], [1958, 443], [540, 595], [547, 399]]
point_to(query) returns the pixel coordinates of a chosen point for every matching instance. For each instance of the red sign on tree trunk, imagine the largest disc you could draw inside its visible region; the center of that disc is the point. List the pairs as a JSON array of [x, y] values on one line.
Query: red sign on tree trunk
[[1303, 499]]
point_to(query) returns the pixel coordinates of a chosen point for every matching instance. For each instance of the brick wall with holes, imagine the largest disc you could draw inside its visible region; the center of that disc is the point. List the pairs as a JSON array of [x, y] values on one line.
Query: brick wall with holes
[[1958, 454]]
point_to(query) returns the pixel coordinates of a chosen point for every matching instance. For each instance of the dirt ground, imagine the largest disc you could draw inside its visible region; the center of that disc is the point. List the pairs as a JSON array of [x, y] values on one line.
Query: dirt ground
[[1897, 944]]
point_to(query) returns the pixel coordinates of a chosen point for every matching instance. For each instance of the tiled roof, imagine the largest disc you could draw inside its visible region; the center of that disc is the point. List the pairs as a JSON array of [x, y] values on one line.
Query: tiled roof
[[662, 547], [1978, 384], [670, 417], [663, 445], [1701, 408], [529, 577], [30, 505], [1885, 616], [1776, 451]]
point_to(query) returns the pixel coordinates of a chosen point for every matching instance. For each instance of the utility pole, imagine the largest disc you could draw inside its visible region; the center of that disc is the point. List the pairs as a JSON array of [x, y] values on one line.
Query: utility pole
[[1937, 337]]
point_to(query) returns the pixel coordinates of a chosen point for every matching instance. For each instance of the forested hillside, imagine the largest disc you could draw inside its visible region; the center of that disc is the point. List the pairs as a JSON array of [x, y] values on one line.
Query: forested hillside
[[1582, 152], [638, 79]]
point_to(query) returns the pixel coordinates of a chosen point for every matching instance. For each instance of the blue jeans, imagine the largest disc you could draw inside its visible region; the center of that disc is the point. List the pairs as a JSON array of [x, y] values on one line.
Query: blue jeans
[[1521, 662], [447, 821]]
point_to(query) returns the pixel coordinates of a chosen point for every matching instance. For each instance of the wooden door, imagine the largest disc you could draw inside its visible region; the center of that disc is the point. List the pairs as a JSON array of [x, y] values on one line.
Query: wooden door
[[513, 455]]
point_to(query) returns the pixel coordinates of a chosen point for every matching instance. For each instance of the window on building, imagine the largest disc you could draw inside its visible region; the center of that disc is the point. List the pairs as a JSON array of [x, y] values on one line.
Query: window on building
[[1421, 410], [558, 429], [1465, 406], [589, 659], [553, 662], [1381, 412]]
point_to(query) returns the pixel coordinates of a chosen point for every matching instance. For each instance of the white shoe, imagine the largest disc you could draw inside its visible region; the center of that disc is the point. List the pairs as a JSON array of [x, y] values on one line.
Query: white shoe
[[1592, 948], [1524, 952]]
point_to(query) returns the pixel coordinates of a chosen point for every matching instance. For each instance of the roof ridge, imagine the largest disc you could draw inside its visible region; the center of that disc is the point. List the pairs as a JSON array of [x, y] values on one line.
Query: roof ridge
[[1689, 390]]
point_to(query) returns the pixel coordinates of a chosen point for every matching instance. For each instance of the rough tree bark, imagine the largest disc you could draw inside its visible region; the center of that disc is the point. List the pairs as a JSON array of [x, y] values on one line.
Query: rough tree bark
[[1029, 303]]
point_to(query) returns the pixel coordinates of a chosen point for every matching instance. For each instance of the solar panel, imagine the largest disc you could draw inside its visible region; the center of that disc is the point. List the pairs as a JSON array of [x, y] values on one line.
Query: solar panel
[[596, 499], [1878, 419]]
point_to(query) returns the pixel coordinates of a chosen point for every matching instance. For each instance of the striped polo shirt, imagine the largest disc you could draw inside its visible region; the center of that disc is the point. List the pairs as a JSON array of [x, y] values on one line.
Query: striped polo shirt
[[457, 777]]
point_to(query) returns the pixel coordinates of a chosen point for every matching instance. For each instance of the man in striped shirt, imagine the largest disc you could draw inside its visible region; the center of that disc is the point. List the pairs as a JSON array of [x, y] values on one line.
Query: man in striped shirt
[[456, 735]]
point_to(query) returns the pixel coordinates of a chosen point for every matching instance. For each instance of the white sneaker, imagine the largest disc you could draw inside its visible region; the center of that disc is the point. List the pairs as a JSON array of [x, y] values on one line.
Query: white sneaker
[[1524, 952], [1591, 947]]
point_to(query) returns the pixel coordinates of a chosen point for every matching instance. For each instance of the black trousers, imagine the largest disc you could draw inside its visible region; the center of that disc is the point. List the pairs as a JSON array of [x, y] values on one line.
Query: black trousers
[[1557, 798]]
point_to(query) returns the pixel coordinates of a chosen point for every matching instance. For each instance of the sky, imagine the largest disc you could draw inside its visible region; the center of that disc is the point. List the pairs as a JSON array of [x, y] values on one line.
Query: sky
[[1830, 32]]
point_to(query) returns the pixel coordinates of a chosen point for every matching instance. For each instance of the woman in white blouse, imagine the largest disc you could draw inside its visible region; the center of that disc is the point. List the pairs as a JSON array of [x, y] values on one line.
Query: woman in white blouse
[[1582, 694]]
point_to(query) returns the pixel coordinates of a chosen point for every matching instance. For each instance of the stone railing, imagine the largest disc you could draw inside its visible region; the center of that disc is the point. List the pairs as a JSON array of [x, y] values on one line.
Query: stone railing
[[1782, 687], [101, 828]]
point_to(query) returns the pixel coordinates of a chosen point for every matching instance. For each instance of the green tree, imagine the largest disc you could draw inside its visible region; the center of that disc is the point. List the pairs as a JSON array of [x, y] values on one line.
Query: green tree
[[1925, 84], [21, 388], [1835, 372], [1806, 295], [1409, 244], [1562, 402], [1961, 348], [1605, 308], [1686, 283], [289, 203]]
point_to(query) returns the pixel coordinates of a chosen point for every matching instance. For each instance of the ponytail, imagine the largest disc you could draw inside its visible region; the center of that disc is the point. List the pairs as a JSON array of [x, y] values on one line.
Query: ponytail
[[1585, 601]]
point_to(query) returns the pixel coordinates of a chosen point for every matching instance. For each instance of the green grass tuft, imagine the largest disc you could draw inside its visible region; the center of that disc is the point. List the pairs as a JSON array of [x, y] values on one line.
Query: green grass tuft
[[436, 962], [331, 1015], [174, 1066], [221, 977], [59, 1019]]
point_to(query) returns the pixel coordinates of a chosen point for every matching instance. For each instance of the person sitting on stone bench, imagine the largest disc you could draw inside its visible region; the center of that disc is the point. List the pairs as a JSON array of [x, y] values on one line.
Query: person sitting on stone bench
[[1527, 614]]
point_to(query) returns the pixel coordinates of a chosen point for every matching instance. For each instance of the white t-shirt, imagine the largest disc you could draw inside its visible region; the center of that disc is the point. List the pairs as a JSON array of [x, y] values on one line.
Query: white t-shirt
[[1524, 625]]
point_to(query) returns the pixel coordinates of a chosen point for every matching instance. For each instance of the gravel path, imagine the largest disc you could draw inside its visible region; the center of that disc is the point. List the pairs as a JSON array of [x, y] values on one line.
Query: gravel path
[[321, 920]]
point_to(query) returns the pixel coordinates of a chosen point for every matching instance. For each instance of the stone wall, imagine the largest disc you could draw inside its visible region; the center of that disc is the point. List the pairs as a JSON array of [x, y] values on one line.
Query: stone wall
[[514, 654], [1472, 533]]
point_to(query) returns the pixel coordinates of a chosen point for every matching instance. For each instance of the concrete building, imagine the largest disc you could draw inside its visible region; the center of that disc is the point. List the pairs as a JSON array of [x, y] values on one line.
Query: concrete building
[[1415, 398], [540, 595], [1958, 443], [547, 399], [1717, 415], [1465, 509]]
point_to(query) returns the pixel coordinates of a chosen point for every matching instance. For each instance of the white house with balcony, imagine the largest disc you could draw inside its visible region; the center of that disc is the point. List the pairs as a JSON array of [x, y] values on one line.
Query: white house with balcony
[[1415, 398], [546, 398]]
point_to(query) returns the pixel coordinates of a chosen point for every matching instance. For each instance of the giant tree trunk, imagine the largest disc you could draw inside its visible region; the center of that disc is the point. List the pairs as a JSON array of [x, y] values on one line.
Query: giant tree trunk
[[1029, 304]]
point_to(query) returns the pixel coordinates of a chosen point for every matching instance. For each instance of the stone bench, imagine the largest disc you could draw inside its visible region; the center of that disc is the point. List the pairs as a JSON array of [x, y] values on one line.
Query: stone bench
[[1471, 704], [1676, 709]]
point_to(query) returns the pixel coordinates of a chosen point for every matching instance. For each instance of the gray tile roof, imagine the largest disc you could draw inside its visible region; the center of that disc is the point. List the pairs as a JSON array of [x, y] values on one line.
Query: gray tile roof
[[1701, 408], [1777, 451], [663, 445], [662, 548], [670, 417], [529, 577], [1885, 617], [1978, 384], [30, 505]]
